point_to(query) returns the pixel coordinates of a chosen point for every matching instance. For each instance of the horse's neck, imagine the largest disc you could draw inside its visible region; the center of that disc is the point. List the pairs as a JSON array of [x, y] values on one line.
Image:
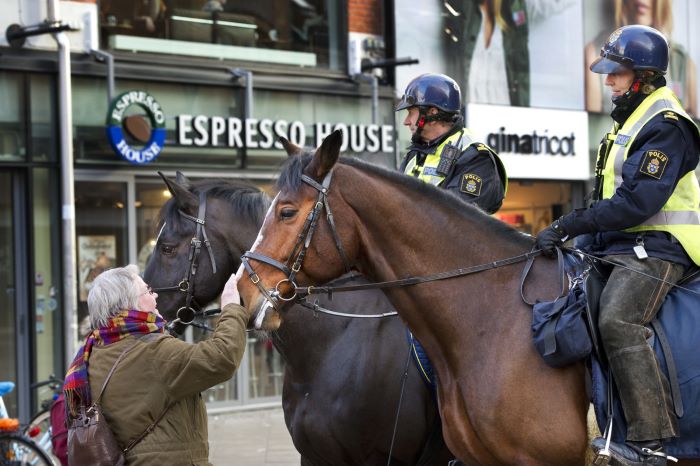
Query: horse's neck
[[411, 233]]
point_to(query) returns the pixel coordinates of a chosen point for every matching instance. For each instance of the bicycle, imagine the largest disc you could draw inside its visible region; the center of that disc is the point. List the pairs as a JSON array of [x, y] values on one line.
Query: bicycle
[[17, 449], [39, 427]]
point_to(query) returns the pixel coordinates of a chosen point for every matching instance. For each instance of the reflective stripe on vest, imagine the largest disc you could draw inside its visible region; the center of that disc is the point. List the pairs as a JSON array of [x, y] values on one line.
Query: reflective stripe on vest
[[428, 172], [680, 216]]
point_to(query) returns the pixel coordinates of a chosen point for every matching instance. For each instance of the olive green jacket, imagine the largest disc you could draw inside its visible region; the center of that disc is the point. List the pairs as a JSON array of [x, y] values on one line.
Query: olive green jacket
[[157, 373]]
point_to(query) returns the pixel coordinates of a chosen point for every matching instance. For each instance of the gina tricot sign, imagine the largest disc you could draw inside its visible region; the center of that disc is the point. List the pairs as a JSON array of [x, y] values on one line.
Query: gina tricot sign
[[251, 133], [534, 143]]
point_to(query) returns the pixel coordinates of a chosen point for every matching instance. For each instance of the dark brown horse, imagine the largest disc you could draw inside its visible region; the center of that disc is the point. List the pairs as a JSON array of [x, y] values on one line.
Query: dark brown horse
[[500, 403], [342, 376]]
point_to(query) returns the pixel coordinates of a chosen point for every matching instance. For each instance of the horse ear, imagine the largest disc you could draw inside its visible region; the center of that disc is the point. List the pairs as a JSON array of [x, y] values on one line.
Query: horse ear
[[182, 179], [185, 199], [292, 149], [327, 155]]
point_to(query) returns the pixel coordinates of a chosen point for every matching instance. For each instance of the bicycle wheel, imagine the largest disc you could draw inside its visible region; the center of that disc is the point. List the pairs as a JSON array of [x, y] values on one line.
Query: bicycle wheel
[[39, 430], [16, 450]]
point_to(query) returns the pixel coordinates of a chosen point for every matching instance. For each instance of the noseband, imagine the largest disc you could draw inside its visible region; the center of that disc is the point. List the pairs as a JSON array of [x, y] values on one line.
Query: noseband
[[296, 258], [187, 313]]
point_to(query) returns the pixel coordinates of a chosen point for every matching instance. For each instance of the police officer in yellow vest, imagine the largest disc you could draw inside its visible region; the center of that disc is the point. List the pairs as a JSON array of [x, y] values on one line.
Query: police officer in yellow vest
[[442, 151], [645, 217]]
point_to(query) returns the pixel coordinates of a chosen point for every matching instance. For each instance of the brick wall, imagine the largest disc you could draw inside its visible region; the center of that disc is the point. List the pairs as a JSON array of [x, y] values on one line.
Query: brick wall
[[365, 16]]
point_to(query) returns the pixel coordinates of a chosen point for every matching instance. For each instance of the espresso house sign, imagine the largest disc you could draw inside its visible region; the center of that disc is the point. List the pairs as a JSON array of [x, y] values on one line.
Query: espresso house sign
[[253, 133]]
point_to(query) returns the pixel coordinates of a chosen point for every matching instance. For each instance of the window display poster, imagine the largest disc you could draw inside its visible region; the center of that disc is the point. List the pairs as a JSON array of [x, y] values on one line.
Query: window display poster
[[524, 53], [674, 18], [96, 253]]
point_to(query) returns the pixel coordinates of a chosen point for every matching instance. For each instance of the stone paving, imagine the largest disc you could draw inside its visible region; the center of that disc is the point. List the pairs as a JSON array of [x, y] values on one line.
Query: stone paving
[[251, 438]]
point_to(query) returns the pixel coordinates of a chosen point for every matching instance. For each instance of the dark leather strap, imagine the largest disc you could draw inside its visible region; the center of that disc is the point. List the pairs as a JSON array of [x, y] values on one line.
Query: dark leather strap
[[671, 365], [304, 291], [526, 272], [148, 430]]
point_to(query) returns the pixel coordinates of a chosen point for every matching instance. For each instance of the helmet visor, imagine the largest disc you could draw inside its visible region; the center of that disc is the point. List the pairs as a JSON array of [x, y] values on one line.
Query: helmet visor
[[608, 63], [407, 100]]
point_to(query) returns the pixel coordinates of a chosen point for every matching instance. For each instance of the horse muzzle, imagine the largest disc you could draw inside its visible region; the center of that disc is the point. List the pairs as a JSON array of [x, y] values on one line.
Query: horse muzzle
[[267, 316]]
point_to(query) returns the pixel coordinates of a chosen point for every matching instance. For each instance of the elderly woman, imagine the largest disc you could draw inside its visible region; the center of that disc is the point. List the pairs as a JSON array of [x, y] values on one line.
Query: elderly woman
[[160, 374]]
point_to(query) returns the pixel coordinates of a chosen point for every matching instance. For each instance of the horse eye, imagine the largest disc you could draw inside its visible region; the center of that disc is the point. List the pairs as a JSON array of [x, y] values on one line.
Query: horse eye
[[167, 250], [287, 213]]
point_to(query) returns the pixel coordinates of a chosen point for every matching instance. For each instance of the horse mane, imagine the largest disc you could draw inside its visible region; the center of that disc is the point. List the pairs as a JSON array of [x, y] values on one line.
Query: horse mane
[[290, 178], [246, 199]]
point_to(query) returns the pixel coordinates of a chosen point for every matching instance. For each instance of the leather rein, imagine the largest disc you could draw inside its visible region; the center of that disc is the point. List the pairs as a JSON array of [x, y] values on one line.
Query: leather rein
[[187, 313], [274, 296]]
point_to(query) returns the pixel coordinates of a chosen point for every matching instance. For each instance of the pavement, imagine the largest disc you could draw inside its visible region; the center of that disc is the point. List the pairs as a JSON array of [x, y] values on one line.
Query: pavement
[[251, 438]]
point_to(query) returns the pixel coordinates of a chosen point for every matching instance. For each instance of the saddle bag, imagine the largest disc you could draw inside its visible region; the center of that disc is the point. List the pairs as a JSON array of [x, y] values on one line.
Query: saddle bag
[[559, 329]]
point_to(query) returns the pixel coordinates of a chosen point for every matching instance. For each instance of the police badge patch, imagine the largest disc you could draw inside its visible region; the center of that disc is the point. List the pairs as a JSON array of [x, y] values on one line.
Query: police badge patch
[[471, 184], [653, 163]]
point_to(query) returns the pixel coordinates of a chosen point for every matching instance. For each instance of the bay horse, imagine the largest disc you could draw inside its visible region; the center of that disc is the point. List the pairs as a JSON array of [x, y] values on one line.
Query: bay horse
[[342, 377], [500, 403]]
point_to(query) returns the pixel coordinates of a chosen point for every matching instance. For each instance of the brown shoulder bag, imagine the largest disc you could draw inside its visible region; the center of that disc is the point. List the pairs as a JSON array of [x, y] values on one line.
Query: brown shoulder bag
[[90, 439]]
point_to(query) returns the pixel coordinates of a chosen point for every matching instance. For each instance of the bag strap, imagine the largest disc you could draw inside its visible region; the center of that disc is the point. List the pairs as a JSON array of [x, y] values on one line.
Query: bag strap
[[111, 371], [148, 430]]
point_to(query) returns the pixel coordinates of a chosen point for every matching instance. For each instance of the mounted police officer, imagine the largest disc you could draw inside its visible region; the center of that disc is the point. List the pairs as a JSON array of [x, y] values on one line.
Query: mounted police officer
[[442, 151], [646, 218]]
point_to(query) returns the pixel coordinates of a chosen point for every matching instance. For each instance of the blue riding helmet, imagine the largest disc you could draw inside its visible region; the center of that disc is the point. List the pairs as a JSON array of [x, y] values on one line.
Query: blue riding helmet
[[635, 48], [432, 90]]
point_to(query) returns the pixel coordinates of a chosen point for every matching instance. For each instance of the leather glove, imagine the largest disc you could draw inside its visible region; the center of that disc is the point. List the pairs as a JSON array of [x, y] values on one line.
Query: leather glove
[[550, 238]]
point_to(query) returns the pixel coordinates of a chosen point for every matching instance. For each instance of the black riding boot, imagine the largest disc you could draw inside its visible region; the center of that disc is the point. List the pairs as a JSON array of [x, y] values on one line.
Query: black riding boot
[[629, 454]]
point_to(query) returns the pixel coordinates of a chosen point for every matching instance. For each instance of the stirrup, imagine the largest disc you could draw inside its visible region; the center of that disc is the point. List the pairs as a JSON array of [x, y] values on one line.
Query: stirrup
[[650, 452]]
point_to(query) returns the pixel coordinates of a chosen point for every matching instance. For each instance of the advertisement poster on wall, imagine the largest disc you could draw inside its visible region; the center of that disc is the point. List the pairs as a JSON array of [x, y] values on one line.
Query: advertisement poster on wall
[[674, 18], [96, 253], [525, 53]]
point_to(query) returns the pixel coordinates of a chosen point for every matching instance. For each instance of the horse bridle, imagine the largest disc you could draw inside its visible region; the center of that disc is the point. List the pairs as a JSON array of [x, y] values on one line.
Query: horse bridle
[[296, 257], [187, 313]]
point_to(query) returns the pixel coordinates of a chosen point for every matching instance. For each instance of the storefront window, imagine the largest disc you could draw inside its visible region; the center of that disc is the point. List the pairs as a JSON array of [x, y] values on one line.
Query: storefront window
[[265, 369], [308, 29], [101, 232], [12, 126], [42, 118]]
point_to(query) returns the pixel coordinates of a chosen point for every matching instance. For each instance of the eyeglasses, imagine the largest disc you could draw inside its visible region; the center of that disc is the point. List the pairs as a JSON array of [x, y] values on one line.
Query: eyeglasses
[[149, 290]]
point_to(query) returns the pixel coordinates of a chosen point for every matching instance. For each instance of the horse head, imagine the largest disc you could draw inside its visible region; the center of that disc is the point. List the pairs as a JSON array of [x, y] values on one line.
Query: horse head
[[179, 268], [298, 243]]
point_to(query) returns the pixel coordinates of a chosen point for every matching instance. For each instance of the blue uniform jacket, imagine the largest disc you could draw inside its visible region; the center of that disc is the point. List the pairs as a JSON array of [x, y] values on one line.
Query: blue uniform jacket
[[640, 196], [471, 160]]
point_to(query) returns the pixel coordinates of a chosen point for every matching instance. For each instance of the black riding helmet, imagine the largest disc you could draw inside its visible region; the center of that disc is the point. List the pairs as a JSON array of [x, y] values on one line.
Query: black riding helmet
[[634, 47]]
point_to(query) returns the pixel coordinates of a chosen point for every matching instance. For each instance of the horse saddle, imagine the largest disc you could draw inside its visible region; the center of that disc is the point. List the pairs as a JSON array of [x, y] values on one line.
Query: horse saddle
[[675, 342]]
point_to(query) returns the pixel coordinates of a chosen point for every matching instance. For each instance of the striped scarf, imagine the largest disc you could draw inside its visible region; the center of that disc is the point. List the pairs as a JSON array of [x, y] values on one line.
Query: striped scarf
[[77, 387]]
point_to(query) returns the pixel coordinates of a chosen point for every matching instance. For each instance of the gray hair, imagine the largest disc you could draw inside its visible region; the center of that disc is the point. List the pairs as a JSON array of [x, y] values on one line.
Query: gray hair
[[112, 292]]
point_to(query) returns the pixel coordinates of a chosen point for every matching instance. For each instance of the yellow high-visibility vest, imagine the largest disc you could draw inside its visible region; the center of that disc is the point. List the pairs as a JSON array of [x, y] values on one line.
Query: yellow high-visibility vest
[[680, 216], [462, 140]]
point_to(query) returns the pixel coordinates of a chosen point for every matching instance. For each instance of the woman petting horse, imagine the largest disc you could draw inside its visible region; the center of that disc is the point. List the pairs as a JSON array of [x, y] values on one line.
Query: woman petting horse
[[342, 377], [500, 403]]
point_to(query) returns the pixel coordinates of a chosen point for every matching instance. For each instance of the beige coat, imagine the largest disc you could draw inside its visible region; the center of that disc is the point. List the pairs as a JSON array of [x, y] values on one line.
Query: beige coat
[[158, 373]]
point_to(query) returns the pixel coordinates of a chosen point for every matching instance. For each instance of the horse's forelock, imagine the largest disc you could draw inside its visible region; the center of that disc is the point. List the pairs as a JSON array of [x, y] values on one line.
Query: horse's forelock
[[293, 168]]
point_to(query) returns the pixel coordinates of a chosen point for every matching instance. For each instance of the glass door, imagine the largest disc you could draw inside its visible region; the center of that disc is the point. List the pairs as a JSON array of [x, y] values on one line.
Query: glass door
[[8, 290]]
